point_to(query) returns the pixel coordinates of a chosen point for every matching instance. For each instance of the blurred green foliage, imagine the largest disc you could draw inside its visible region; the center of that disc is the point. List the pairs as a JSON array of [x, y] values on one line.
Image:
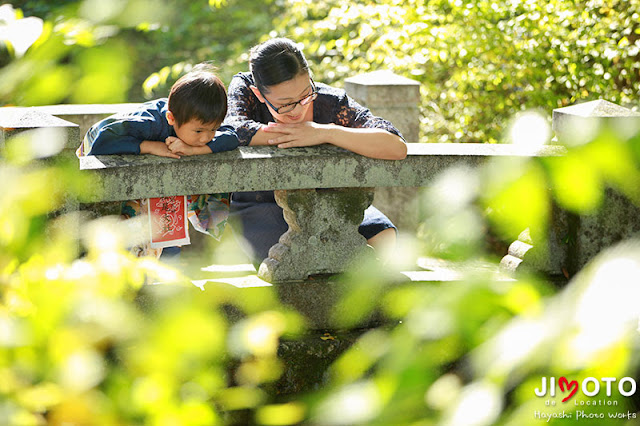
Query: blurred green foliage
[[510, 54], [132, 50]]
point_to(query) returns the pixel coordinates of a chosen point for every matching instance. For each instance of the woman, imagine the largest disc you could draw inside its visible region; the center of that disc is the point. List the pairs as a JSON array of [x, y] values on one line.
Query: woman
[[279, 104]]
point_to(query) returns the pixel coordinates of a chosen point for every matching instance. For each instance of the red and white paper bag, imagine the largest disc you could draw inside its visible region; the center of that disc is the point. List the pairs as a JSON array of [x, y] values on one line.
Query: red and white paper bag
[[168, 221]]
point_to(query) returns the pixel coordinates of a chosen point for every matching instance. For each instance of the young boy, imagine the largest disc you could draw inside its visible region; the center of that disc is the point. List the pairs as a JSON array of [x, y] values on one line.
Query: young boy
[[186, 123]]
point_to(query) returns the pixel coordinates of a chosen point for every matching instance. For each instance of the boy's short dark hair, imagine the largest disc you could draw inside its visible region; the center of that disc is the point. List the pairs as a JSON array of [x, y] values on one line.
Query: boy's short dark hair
[[200, 95]]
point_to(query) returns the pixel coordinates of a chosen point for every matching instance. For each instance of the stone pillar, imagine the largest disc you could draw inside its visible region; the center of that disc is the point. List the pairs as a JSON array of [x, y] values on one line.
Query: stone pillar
[[396, 99], [86, 115], [618, 217], [14, 120], [574, 240], [323, 233], [63, 139]]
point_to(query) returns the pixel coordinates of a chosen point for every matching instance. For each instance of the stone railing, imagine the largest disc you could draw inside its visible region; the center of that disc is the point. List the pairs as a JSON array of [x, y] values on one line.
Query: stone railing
[[324, 191], [348, 180], [323, 223]]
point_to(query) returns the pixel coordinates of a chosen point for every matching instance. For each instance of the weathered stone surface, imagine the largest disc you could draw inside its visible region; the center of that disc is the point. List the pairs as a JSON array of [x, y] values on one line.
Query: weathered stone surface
[[389, 96], [617, 219], [307, 359], [86, 115], [396, 99], [126, 177], [579, 123], [323, 230], [572, 240], [14, 120]]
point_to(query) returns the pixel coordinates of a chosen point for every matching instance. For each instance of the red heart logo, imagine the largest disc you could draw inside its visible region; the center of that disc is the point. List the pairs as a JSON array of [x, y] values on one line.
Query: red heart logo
[[573, 384]]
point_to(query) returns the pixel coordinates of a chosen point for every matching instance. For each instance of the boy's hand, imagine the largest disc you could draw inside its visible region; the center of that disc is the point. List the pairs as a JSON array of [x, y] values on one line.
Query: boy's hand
[[157, 148], [177, 146]]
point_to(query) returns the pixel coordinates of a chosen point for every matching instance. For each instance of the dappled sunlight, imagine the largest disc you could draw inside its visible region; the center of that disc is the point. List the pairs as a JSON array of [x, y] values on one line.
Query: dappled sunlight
[[258, 334], [104, 235], [353, 404], [582, 131], [111, 233], [355, 362], [480, 404], [443, 392], [452, 224], [529, 129], [79, 270], [454, 189], [608, 309], [590, 325], [517, 198], [403, 254], [16, 32], [100, 11], [35, 144], [91, 334], [433, 323], [281, 414], [14, 332], [517, 344], [81, 370]]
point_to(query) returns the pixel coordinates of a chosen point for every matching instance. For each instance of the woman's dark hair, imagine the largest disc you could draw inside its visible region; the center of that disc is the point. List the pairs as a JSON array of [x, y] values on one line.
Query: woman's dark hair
[[276, 61], [200, 95]]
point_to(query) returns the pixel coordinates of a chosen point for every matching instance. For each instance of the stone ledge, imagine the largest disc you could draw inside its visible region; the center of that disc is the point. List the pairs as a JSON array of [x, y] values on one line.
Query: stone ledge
[[14, 120], [126, 177]]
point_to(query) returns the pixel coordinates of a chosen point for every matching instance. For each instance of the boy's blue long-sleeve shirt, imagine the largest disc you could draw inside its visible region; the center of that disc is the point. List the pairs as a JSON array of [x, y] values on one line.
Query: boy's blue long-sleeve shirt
[[123, 133]]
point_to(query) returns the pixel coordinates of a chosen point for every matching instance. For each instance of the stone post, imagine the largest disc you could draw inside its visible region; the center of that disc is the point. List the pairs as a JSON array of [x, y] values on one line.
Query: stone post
[[63, 139], [396, 99], [323, 233], [86, 115], [618, 217], [14, 120], [573, 240]]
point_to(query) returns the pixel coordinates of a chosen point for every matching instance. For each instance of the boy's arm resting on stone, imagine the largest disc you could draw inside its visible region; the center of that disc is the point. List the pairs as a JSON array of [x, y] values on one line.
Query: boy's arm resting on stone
[[109, 142], [122, 136], [158, 148], [224, 140]]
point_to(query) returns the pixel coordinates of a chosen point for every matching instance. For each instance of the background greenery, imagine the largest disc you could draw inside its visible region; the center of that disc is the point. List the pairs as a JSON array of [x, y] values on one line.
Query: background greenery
[[510, 54], [82, 341]]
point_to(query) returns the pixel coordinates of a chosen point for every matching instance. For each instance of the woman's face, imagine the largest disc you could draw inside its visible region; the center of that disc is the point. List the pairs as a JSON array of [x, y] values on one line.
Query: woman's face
[[286, 93]]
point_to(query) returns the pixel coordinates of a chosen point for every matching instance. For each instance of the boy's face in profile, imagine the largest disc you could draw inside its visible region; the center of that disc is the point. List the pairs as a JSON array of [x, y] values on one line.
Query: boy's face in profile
[[196, 133], [193, 132]]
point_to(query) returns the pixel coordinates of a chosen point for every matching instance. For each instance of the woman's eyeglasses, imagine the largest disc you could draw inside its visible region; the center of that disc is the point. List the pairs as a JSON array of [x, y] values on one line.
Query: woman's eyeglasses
[[290, 107]]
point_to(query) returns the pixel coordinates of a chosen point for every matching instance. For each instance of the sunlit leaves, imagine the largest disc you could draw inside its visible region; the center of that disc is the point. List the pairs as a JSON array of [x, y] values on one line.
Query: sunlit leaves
[[281, 414], [521, 202], [105, 78], [16, 32], [480, 63], [577, 185], [607, 161]]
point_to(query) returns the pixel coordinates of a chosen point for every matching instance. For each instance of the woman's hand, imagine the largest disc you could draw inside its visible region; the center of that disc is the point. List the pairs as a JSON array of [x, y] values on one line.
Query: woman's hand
[[370, 142], [299, 134], [157, 148]]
